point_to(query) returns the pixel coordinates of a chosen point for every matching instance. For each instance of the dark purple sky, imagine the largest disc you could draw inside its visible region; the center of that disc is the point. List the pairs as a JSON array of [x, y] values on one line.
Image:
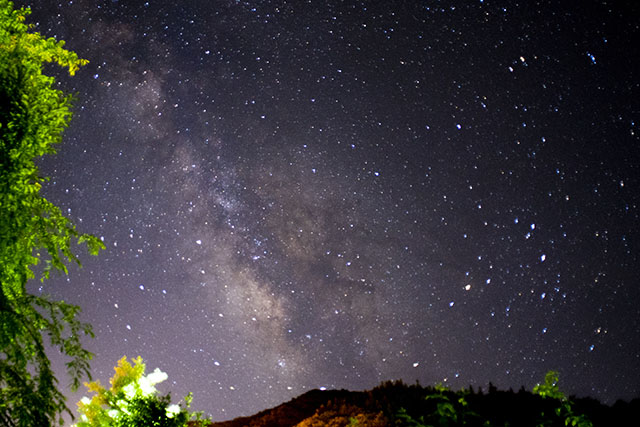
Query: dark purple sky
[[311, 194]]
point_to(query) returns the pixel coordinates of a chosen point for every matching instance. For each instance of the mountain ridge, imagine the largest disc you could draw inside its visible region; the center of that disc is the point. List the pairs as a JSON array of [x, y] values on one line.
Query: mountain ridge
[[385, 404]]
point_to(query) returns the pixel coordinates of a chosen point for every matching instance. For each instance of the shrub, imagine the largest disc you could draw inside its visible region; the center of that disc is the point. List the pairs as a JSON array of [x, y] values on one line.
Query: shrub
[[132, 400]]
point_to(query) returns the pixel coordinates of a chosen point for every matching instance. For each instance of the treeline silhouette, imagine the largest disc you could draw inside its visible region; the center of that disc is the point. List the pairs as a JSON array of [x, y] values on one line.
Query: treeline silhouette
[[394, 403]]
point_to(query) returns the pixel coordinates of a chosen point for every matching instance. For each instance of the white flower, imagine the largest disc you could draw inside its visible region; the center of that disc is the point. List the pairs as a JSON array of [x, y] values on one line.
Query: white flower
[[146, 387], [157, 376], [147, 383], [129, 390], [173, 410]]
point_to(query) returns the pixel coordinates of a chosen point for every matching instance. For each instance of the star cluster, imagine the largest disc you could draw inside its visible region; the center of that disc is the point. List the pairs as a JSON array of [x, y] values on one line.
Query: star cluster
[[312, 194]]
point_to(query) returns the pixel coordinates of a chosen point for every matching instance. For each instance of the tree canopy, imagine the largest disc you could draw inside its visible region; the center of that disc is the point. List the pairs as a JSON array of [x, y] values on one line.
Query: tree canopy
[[33, 115]]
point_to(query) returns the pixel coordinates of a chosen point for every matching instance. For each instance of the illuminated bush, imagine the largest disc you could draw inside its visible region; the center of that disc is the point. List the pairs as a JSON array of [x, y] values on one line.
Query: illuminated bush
[[132, 400]]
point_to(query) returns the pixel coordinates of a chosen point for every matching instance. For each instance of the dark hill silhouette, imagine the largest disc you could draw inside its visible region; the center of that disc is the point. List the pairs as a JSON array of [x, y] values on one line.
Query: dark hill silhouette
[[382, 405], [289, 413]]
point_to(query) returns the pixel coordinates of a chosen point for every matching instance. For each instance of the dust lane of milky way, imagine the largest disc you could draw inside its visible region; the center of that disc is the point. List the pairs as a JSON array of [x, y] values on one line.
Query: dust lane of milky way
[[311, 194]]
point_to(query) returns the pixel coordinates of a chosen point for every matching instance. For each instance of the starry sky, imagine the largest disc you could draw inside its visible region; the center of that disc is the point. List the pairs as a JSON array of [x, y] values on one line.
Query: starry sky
[[305, 194]]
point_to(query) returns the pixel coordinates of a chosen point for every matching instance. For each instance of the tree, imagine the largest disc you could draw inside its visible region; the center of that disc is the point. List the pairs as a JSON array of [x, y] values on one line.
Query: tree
[[32, 117], [452, 409], [564, 410], [132, 401]]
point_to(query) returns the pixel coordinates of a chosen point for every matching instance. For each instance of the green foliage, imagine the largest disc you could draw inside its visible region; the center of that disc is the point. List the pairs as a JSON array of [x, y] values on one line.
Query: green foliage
[[132, 401], [550, 387], [446, 408], [452, 409], [564, 410], [32, 117]]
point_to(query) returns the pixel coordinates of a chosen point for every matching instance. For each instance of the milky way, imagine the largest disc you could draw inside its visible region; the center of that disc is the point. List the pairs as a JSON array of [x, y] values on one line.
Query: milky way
[[309, 194]]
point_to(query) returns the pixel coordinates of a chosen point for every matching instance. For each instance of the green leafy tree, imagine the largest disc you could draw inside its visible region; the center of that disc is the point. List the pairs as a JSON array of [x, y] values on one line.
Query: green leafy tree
[[452, 409], [564, 410], [132, 401], [550, 387], [32, 230]]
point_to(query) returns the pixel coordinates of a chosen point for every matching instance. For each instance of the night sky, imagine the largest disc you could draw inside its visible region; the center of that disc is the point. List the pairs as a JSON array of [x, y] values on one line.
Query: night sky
[[305, 194]]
